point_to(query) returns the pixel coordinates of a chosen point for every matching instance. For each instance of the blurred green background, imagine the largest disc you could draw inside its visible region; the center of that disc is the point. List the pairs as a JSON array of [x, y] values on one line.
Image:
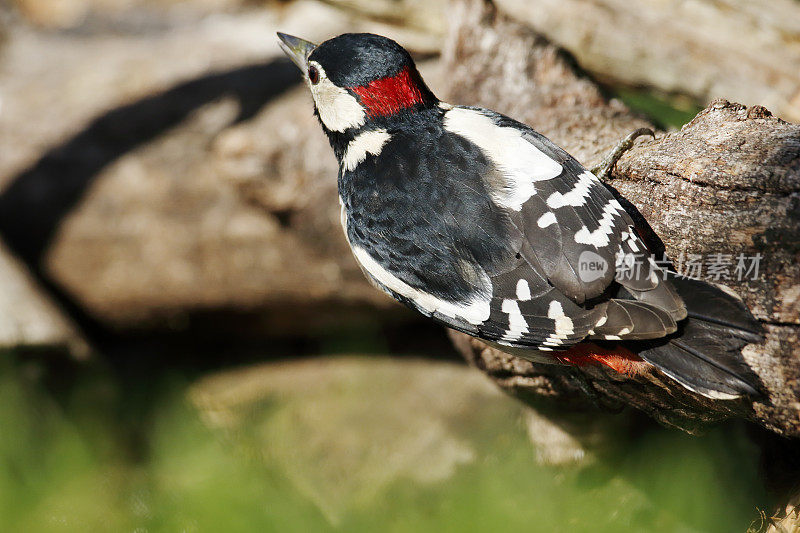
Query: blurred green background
[[87, 450]]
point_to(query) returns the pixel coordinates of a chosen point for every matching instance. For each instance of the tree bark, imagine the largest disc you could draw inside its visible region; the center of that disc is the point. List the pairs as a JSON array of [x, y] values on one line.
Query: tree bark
[[727, 183]]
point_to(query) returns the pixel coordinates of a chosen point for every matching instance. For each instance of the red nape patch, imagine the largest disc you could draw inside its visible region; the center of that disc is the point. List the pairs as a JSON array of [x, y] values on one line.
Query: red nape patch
[[387, 96], [617, 358]]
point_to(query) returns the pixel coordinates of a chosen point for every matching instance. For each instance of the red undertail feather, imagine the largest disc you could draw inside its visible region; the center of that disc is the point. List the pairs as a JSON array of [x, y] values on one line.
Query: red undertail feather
[[387, 96], [617, 358]]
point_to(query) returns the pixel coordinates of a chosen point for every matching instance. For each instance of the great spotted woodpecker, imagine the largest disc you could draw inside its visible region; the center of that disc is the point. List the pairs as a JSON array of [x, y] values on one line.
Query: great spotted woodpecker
[[486, 226]]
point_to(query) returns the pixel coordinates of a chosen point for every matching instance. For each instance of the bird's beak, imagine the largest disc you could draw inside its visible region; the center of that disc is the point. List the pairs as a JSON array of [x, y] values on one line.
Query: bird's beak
[[297, 49]]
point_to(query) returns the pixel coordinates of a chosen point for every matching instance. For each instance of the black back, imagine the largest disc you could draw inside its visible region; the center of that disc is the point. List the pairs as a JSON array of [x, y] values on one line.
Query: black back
[[422, 206]]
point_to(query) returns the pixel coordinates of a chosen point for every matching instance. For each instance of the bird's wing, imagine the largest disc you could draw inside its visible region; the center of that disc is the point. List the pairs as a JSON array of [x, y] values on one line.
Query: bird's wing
[[576, 236]]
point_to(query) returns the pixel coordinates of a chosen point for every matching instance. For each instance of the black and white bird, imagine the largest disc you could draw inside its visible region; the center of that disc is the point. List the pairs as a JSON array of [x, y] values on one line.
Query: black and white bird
[[484, 225]]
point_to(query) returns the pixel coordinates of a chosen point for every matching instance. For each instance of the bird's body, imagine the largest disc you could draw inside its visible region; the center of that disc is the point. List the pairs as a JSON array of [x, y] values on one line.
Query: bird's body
[[486, 226]]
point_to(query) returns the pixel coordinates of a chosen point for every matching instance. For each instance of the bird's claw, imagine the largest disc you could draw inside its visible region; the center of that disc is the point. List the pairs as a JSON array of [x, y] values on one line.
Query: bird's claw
[[606, 166]]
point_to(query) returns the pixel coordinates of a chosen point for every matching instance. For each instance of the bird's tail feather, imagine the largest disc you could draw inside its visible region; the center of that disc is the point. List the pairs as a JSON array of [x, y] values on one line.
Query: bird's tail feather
[[705, 354]]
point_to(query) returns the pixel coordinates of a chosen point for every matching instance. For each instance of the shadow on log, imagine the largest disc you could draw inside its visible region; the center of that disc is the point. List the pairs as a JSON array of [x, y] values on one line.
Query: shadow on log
[[727, 183]]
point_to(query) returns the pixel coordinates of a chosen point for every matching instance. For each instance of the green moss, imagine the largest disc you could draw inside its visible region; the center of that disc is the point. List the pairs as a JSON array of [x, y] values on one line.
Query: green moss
[[664, 111]]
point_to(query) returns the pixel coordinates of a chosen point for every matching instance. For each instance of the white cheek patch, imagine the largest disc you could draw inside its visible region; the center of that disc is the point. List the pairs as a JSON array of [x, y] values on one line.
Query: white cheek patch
[[369, 142], [519, 162], [338, 109], [475, 311]]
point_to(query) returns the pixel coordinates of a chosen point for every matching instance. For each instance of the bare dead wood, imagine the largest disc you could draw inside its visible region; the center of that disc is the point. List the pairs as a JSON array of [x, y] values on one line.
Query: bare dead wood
[[744, 50], [728, 182]]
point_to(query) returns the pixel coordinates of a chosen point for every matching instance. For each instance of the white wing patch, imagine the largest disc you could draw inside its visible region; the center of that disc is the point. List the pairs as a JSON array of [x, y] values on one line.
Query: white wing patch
[[626, 260], [474, 311], [577, 196], [523, 290], [519, 161], [600, 237], [563, 324], [516, 322], [369, 142], [630, 239], [547, 219]]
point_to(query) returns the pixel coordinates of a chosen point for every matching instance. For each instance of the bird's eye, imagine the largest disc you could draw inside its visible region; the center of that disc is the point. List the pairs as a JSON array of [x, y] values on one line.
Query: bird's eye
[[313, 74]]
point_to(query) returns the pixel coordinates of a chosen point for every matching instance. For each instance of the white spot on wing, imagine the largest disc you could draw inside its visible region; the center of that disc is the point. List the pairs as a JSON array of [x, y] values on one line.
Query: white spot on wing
[[474, 311], [338, 109], [563, 325], [516, 322], [546, 219], [369, 142], [577, 196], [632, 241], [519, 161], [523, 290], [654, 271], [600, 237]]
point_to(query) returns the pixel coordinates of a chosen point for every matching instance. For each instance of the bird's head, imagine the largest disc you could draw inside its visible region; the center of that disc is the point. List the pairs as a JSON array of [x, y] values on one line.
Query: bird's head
[[357, 78]]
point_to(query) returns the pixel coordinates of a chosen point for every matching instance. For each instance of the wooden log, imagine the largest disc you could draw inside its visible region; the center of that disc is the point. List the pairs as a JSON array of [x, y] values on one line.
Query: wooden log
[[727, 183]]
